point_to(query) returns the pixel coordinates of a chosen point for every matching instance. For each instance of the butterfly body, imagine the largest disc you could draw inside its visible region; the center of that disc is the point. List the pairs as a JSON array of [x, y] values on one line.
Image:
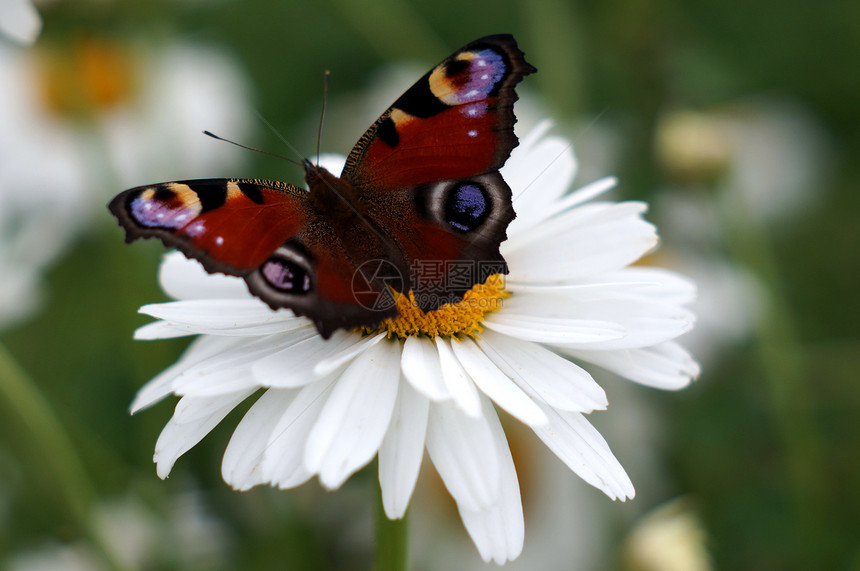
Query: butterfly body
[[420, 188]]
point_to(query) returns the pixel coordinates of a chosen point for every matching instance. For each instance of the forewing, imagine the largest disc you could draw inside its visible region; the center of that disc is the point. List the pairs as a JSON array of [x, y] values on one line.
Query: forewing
[[456, 121], [264, 232]]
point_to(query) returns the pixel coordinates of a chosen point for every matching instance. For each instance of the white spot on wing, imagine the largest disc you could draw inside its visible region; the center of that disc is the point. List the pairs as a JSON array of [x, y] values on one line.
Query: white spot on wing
[[472, 133], [196, 229]]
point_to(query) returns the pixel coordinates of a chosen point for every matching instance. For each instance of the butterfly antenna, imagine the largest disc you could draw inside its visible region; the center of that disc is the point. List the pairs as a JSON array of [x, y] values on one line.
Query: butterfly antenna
[[281, 137], [214, 136], [326, 79]]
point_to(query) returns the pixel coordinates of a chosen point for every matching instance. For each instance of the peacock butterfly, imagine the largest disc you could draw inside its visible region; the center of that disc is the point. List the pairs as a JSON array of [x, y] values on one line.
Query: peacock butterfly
[[420, 204]]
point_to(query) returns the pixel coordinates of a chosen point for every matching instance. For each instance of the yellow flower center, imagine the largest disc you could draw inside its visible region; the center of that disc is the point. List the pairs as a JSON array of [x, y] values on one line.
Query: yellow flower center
[[451, 319], [87, 77]]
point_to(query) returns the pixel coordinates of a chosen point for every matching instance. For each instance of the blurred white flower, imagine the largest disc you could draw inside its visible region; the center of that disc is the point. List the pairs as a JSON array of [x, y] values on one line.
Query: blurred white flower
[[139, 537], [764, 155], [330, 406], [187, 534], [670, 538], [20, 21], [42, 186], [772, 152], [729, 299], [185, 90], [54, 555], [78, 124]]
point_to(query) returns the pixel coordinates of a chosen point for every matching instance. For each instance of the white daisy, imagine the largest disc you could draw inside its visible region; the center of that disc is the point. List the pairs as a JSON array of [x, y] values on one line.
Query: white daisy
[[329, 407], [92, 116], [770, 153]]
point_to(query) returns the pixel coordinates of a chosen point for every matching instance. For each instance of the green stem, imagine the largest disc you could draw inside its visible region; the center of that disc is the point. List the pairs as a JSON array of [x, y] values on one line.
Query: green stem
[[22, 399], [784, 367], [391, 539]]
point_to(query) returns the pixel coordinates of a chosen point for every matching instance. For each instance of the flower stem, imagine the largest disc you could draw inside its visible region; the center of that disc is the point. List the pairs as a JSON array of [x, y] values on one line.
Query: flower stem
[[22, 399], [391, 539]]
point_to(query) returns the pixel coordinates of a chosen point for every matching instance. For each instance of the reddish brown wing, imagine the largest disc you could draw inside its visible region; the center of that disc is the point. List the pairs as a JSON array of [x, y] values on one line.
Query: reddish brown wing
[[264, 232], [456, 121], [429, 166], [425, 175], [230, 226]]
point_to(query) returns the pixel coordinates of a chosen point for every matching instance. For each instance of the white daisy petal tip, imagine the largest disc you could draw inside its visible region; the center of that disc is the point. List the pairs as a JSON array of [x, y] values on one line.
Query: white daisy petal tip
[[355, 417], [498, 531], [160, 330], [464, 454]]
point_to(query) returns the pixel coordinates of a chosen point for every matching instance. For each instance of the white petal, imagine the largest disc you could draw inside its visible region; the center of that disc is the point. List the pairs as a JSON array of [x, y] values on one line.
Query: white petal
[[336, 360], [235, 317], [161, 330], [293, 365], [582, 242], [421, 367], [593, 215], [578, 444], [353, 421], [649, 283], [498, 532], [241, 466], [332, 162], [547, 329], [159, 387], [283, 459], [642, 320], [664, 366], [402, 449], [547, 377], [496, 385], [231, 369], [193, 409], [551, 166], [20, 21], [666, 286], [178, 438], [457, 381], [463, 451], [182, 278], [599, 287], [585, 193]]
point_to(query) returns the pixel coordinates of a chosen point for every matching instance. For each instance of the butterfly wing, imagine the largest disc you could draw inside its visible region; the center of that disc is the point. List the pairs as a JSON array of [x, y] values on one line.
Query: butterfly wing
[[264, 232], [425, 176], [436, 152], [456, 121]]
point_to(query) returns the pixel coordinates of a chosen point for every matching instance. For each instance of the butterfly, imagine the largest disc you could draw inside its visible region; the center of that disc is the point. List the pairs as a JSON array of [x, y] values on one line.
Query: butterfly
[[420, 204]]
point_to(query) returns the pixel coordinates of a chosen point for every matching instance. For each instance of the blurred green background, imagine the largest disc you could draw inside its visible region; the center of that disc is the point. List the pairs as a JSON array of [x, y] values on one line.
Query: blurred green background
[[739, 122]]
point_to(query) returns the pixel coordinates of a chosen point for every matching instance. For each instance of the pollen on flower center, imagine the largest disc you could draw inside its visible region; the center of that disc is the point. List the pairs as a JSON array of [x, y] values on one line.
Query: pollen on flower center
[[90, 76], [450, 319]]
